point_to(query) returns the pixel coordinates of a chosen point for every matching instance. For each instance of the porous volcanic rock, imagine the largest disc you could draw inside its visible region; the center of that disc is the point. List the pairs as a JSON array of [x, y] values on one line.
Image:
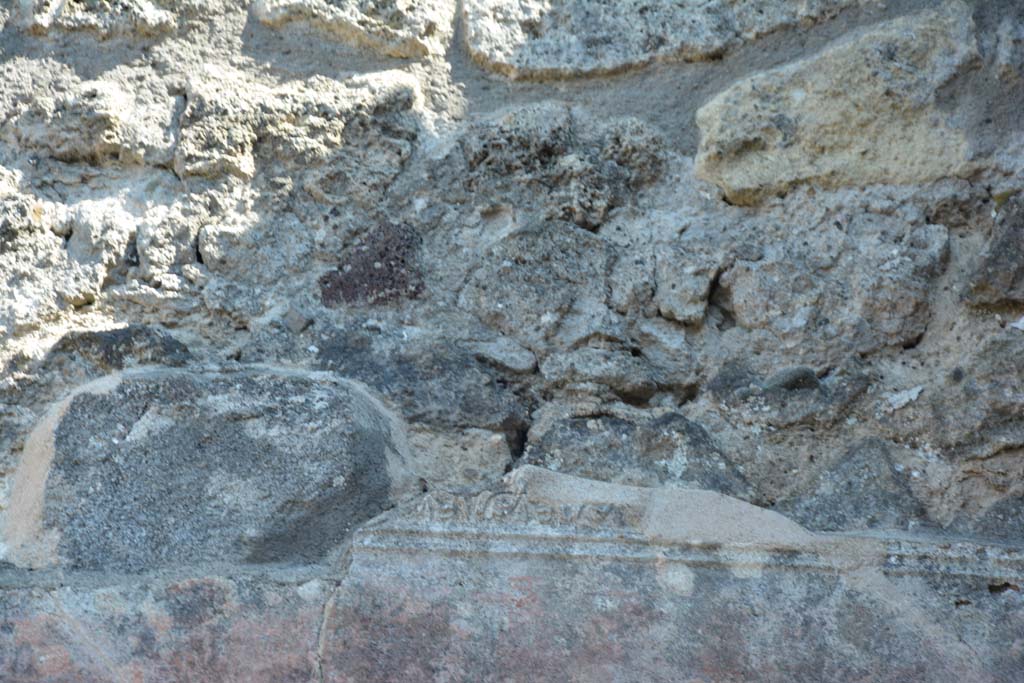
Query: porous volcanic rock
[[511, 340], [861, 112], [566, 38], [398, 29]]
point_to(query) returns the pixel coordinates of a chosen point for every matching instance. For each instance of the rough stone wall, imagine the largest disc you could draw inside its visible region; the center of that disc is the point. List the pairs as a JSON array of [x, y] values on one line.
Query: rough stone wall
[[276, 276]]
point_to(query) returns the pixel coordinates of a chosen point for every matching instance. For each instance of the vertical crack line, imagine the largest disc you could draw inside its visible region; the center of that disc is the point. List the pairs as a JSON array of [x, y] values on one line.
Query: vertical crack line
[[321, 634], [321, 637], [344, 564]]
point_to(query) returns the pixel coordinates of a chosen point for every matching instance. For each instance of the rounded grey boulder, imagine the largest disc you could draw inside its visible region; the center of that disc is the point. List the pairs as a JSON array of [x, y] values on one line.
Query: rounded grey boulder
[[161, 467]]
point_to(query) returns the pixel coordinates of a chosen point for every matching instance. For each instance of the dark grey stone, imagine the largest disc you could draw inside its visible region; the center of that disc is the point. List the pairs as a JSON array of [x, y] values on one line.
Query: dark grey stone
[[432, 383], [793, 396], [247, 465], [115, 349], [793, 379], [863, 491], [735, 380], [999, 277], [668, 449]]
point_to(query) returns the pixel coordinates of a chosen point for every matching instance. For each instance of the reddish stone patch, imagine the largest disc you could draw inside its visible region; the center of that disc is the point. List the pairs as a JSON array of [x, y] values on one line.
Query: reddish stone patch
[[381, 269], [209, 629]]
